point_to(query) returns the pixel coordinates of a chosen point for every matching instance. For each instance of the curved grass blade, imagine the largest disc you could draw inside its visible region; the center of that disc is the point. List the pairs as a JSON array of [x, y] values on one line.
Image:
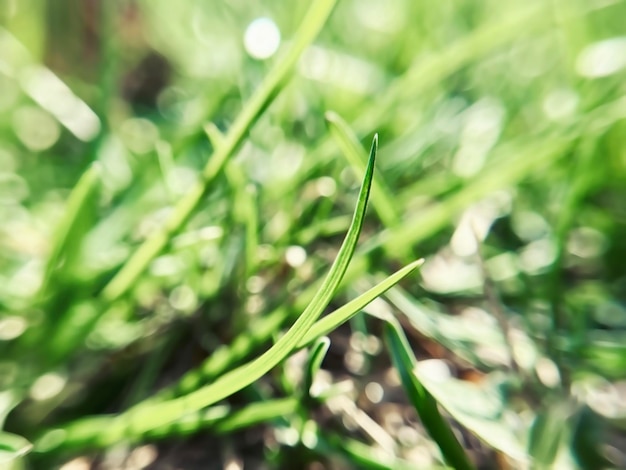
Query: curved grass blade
[[426, 406], [142, 418], [312, 23], [212, 367], [316, 356], [347, 311], [222, 359], [227, 356]]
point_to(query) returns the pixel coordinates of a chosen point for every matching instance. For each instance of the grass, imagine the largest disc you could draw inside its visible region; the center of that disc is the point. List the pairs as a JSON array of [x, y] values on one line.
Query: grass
[[173, 280]]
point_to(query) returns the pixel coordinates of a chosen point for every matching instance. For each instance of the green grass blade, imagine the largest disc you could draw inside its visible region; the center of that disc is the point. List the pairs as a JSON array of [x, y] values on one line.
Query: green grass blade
[[426, 406], [245, 211], [142, 418], [316, 356], [262, 330], [73, 225], [12, 449], [219, 419], [222, 419], [547, 434], [482, 409], [309, 28], [347, 311], [227, 356], [311, 25], [357, 158], [239, 378], [364, 457], [256, 413]]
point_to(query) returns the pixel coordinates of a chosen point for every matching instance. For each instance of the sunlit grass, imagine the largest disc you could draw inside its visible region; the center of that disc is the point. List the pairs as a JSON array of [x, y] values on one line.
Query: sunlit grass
[[176, 180]]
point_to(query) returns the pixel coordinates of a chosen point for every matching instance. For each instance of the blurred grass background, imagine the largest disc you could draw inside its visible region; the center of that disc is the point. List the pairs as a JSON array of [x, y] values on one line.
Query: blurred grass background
[[502, 161]]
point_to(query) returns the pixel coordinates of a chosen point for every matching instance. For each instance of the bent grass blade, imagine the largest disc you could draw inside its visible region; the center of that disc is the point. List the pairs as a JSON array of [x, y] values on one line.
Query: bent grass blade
[[222, 359], [92, 427], [142, 418]]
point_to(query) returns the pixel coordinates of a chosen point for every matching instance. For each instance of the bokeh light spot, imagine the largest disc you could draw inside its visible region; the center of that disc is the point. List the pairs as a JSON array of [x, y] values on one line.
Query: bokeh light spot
[[602, 58], [11, 327], [295, 256], [35, 128], [262, 38], [47, 386]]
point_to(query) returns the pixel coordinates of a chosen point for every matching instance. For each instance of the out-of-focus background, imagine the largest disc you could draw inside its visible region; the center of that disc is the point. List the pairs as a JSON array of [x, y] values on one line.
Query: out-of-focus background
[[502, 162]]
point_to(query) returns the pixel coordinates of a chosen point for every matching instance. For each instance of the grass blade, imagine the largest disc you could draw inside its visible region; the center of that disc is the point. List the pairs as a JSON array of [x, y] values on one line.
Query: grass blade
[[311, 25], [73, 226], [482, 409], [222, 359], [362, 456], [344, 313], [316, 356], [219, 419], [222, 419], [145, 417], [227, 356], [12, 449], [426, 406]]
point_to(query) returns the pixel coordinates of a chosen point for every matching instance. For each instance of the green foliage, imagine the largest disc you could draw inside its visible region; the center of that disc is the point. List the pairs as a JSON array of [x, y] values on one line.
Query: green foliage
[[12, 449], [176, 178], [422, 400]]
